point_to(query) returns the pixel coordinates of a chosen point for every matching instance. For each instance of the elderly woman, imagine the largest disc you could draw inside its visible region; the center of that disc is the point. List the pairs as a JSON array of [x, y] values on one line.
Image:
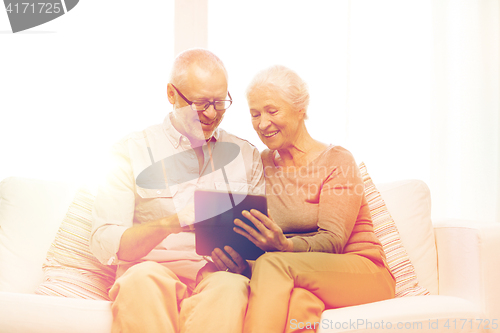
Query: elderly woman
[[318, 234]]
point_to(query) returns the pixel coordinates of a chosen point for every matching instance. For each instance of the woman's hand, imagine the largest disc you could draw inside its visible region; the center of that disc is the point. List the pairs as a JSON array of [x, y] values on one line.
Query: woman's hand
[[234, 264], [270, 237]]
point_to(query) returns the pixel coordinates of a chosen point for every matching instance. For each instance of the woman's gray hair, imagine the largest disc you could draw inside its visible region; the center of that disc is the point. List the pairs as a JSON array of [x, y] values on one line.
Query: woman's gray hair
[[202, 57], [286, 83]]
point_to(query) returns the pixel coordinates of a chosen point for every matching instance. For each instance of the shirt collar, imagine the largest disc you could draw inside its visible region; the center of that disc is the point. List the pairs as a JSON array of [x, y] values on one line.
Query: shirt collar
[[175, 137], [215, 135]]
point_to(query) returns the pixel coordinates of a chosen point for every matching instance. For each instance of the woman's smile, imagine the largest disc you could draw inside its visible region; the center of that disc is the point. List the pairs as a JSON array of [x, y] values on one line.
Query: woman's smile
[[270, 135]]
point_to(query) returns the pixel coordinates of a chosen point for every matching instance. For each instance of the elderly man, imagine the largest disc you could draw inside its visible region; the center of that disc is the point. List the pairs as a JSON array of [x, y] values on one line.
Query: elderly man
[[145, 227]]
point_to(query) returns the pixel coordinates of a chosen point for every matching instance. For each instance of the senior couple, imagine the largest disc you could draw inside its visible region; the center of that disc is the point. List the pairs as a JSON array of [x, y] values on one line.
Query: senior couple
[[321, 251]]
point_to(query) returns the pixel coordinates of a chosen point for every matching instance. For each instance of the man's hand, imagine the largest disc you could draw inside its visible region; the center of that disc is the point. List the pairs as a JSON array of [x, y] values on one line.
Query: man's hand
[[186, 215], [139, 240], [235, 263], [269, 236]]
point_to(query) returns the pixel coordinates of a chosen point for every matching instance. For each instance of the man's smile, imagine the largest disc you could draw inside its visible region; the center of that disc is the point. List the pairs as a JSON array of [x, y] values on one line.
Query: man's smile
[[208, 123]]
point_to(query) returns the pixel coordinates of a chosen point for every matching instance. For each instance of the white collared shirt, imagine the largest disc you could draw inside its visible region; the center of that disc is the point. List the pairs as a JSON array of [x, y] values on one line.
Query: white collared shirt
[[121, 203]]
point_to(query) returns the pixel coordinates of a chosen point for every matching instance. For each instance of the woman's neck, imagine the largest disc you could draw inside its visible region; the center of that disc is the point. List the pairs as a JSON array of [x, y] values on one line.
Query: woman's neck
[[303, 150]]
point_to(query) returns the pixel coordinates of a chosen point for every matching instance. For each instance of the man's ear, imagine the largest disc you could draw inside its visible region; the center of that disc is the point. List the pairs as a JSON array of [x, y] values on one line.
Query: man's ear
[[171, 93]]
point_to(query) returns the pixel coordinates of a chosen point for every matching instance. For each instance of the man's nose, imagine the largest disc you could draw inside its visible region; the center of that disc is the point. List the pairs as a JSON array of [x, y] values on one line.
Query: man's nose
[[210, 113]]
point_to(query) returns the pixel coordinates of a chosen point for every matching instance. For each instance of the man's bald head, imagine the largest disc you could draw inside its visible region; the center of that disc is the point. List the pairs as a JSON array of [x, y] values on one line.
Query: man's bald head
[[199, 57]]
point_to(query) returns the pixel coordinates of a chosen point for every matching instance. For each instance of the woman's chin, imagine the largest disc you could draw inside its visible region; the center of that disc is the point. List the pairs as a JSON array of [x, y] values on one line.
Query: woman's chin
[[271, 144]]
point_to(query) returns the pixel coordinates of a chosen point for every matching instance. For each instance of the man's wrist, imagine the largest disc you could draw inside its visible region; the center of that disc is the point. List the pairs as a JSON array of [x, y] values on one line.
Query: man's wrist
[[170, 223]]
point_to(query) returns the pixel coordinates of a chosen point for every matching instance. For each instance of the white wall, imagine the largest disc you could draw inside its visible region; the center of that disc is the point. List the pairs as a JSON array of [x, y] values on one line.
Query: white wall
[[466, 110], [72, 87]]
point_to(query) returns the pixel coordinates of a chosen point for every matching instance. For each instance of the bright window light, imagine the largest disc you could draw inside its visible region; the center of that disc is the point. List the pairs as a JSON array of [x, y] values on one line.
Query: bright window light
[[367, 65], [68, 93]]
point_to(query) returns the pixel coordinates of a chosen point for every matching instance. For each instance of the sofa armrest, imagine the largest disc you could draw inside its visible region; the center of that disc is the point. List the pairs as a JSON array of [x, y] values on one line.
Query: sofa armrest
[[469, 263]]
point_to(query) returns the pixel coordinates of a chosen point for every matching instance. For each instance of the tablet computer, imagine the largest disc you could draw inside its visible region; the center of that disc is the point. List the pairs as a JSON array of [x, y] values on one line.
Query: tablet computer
[[215, 212]]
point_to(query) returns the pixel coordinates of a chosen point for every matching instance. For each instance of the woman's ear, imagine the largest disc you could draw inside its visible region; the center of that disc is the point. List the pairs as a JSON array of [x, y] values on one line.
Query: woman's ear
[[171, 93], [302, 114]]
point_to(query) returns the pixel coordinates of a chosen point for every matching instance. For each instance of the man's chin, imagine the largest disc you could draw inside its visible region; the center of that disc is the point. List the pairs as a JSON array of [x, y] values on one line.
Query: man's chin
[[208, 134]]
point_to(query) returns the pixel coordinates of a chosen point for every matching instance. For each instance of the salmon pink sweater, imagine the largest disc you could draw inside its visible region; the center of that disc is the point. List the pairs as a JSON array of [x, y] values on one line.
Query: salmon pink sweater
[[322, 206]]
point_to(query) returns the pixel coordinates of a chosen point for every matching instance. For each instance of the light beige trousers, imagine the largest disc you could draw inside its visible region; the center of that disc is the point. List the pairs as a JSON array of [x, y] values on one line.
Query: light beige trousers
[[288, 291], [149, 298]]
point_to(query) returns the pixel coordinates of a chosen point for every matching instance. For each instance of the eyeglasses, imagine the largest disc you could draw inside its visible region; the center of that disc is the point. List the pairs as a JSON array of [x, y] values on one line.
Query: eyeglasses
[[219, 105]]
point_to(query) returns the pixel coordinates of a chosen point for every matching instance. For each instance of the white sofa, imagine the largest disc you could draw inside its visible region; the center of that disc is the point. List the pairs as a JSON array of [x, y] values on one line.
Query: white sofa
[[456, 261]]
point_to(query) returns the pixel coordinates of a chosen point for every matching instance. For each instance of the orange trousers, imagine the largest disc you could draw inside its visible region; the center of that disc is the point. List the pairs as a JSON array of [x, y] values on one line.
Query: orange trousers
[[149, 298], [290, 290]]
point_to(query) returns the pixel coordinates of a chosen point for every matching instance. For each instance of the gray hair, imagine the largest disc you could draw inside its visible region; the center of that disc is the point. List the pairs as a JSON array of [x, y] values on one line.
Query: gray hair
[[286, 83], [201, 57]]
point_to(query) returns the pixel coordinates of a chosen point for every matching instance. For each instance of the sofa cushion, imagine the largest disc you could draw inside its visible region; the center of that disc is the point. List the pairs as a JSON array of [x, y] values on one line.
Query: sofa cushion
[[70, 269], [30, 213], [387, 232], [409, 202], [24, 313], [433, 313]]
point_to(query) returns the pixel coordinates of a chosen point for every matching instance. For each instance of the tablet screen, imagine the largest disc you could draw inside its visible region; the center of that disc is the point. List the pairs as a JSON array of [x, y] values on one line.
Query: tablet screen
[[215, 212]]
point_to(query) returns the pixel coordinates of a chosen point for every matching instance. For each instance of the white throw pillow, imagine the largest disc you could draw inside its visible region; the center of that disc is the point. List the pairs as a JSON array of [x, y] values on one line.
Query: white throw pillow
[[409, 202]]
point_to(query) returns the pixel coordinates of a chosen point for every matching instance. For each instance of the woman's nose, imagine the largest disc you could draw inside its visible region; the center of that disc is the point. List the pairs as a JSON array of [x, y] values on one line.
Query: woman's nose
[[264, 122]]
